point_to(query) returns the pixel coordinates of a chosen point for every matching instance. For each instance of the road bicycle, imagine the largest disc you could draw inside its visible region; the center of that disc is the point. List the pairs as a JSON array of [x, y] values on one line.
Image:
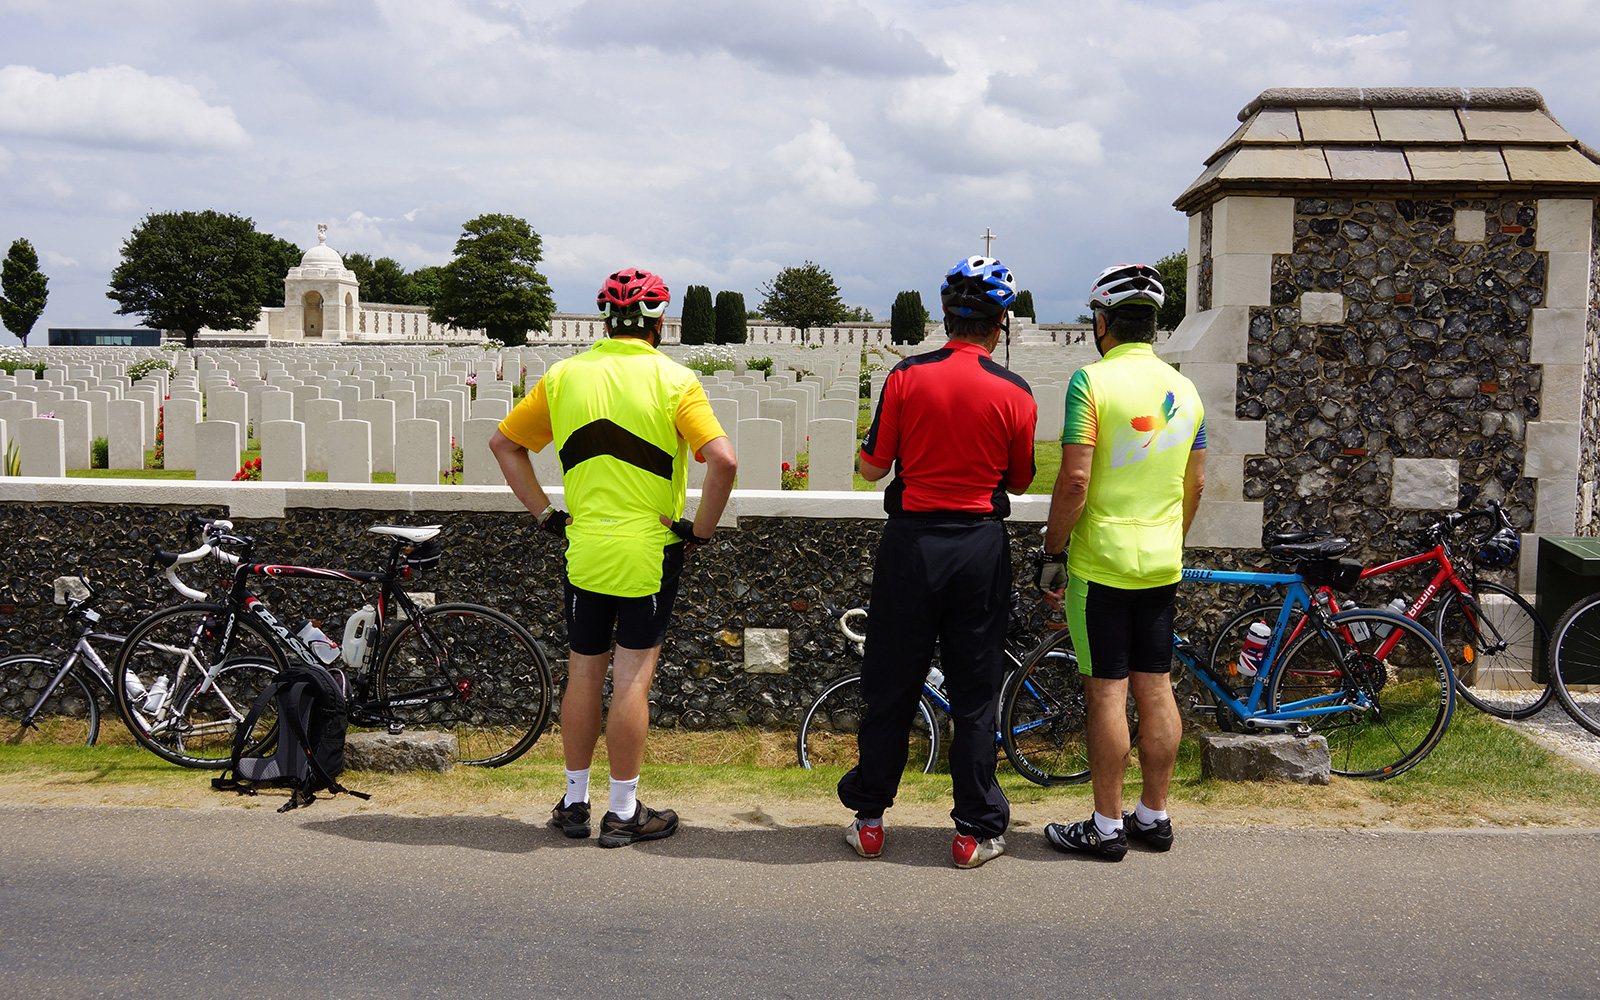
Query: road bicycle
[[1575, 662], [829, 727], [1376, 685], [55, 696], [1496, 639], [464, 669]]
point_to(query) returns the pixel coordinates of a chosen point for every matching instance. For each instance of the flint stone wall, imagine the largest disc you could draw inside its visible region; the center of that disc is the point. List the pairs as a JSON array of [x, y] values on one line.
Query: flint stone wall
[[1589, 472], [1429, 361]]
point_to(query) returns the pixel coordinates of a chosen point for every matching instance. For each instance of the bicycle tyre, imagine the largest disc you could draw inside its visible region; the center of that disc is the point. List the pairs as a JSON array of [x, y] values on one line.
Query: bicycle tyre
[[1413, 687], [500, 674], [828, 730], [71, 704], [196, 725], [1501, 659], [1575, 663], [1044, 721]]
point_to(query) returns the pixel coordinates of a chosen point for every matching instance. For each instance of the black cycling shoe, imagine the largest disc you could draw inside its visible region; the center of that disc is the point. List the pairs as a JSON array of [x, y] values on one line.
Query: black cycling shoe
[[571, 820], [1157, 836], [1086, 838], [647, 824]]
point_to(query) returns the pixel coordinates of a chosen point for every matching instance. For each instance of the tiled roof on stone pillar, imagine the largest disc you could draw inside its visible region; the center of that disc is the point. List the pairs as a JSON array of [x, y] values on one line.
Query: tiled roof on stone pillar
[[1370, 138]]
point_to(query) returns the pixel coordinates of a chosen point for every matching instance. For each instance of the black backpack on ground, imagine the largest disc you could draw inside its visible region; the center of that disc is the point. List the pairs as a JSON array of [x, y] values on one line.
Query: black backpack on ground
[[306, 753]]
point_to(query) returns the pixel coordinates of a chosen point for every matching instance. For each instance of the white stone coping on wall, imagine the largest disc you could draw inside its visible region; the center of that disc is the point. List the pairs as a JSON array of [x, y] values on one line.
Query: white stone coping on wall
[[272, 500]]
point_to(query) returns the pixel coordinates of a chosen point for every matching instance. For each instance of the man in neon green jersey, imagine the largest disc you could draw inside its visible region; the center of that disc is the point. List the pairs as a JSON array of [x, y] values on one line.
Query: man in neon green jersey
[[1132, 469], [623, 418]]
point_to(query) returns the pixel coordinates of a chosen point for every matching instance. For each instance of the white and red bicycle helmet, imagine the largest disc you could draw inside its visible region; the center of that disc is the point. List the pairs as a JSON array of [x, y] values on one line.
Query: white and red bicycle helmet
[[1128, 285], [632, 296]]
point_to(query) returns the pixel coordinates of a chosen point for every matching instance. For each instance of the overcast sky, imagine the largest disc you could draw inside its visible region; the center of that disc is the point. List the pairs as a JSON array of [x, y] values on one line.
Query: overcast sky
[[712, 141]]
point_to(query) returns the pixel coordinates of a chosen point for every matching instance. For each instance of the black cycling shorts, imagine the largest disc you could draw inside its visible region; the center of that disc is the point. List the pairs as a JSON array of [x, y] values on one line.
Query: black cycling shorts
[[1115, 631], [635, 622]]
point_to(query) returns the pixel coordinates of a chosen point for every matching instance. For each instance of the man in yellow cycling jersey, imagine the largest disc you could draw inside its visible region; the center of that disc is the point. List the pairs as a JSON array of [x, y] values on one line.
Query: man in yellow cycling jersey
[[623, 418], [1132, 469]]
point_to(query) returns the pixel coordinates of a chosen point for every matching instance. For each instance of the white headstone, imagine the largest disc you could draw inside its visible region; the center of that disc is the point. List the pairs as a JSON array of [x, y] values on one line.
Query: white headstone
[[319, 413], [283, 451], [233, 406], [43, 444], [13, 412], [438, 410], [1052, 403], [349, 451], [783, 411], [182, 414], [216, 450], [416, 446], [405, 403], [832, 456], [74, 415], [125, 425], [761, 454], [303, 394], [479, 467], [276, 404]]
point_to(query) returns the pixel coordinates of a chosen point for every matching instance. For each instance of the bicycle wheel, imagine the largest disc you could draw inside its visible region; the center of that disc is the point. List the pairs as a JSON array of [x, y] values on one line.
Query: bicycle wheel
[[1397, 664], [477, 674], [830, 726], [1494, 639], [1575, 663], [211, 678], [69, 715]]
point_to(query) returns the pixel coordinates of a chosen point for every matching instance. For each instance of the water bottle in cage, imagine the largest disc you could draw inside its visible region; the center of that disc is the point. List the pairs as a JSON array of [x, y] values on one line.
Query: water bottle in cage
[[324, 648], [1255, 649], [358, 636], [1397, 606]]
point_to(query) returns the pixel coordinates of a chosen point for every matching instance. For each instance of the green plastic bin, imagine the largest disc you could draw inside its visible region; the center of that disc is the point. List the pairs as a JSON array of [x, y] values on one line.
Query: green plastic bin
[[1569, 571]]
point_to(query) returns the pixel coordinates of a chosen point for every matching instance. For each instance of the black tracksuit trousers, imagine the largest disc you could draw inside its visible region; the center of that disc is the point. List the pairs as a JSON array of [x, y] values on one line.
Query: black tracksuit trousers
[[947, 580]]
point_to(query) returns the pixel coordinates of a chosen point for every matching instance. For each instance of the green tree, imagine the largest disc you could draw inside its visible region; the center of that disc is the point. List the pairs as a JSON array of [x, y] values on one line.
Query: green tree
[[277, 256], [389, 284], [187, 271], [908, 320], [361, 264], [23, 290], [1174, 268], [1024, 305], [803, 297], [731, 318], [699, 316], [493, 283], [425, 285], [858, 314]]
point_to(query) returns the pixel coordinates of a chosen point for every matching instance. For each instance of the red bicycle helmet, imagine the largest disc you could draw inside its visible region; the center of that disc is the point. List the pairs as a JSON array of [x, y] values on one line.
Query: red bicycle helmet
[[633, 296]]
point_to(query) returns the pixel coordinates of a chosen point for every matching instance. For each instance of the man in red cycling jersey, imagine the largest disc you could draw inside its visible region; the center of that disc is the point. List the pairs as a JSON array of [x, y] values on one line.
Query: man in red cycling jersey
[[958, 429], [623, 418]]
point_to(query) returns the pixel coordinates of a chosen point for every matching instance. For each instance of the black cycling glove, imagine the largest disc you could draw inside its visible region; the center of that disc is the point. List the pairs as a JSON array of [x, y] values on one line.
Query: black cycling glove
[[684, 529]]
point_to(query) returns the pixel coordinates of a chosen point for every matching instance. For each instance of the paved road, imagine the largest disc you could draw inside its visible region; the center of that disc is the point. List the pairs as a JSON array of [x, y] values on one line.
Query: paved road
[[240, 903]]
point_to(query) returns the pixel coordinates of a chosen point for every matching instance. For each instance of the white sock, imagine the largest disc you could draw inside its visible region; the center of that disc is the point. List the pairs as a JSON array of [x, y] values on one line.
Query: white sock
[[1145, 815], [577, 787], [1107, 827], [861, 823], [624, 798]]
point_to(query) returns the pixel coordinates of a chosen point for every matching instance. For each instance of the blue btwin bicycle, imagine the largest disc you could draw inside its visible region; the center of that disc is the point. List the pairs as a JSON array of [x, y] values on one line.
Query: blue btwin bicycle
[[1376, 685]]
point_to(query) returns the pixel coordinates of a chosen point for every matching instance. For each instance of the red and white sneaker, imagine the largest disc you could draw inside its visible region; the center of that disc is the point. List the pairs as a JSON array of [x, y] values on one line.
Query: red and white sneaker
[[970, 852], [866, 840]]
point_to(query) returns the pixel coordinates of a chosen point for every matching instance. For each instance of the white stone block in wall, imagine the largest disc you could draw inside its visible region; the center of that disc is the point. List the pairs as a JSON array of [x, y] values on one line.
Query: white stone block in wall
[[1241, 224], [75, 424], [1321, 307], [1235, 437], [1424, 484], [319, 413], [1241, 280], [833, 446], [1556, 502], [1565, 224], [1552, 451], [416, 452], [478, 464], [1225, 524], [232, 405], [1561, 395], [216, 450], [283, 451], [766, 650], [1052, 403], [1471, 226], [43, 444], [1216, 335], [761, 454], [125, 426], [1567, 280], [783, 411], [438, 410], [349, 451], [182, 414], [380, 414]]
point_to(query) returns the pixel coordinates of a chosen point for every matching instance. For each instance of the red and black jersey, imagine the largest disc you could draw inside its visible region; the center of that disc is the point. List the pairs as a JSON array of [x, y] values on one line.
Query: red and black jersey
[[961, 428]]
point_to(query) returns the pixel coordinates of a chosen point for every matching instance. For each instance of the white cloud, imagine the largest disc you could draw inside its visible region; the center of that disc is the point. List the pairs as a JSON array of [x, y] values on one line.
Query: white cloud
[[59, 260], [116, 106], [7, 157], [954, 129], [820, 163]]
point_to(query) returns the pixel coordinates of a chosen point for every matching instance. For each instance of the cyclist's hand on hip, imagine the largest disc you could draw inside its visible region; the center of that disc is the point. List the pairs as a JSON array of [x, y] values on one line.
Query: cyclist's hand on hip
[[684, 529], [554, 520], [1052, 570]]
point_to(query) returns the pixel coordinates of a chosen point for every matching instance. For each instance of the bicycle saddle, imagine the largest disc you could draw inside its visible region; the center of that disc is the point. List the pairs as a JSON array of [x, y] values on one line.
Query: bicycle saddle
[[1295, 537], [1322, 548], [414, 535]]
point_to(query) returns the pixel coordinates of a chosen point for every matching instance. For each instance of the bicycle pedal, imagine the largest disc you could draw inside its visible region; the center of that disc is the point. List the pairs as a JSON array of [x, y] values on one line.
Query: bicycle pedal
[[396, 728]]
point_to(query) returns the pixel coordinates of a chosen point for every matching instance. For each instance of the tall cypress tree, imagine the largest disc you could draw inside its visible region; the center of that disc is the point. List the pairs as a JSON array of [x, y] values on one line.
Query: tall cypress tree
[[732, 324], [907, 319], [1024, 305], [699, 316]]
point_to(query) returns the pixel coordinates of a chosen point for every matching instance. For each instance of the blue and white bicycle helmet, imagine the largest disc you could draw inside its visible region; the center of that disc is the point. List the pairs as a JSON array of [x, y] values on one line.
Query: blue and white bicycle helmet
[[978, 287], [1128, 285]]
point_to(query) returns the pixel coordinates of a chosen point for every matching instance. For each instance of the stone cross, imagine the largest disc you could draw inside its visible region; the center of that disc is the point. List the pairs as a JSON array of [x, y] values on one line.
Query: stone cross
[[988, 238]]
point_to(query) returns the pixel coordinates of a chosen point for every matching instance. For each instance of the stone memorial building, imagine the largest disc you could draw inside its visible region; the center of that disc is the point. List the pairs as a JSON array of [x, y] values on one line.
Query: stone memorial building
[[1392, 313]]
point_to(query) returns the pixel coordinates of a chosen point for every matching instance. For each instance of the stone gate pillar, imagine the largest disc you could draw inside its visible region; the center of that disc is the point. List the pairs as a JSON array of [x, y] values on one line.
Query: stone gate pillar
[[1392, 313]]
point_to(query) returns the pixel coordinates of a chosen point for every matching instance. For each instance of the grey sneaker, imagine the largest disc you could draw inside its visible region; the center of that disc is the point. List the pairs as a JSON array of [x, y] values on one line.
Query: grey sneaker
[[646, 824], [1157, 836], [1086, 838], [571, 820]]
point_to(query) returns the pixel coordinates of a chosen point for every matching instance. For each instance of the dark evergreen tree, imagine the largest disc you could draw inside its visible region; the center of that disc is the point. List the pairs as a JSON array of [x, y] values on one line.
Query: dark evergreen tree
[[1024, 305], [699, 316], [732, 325], [23, 290], [908, 320]]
